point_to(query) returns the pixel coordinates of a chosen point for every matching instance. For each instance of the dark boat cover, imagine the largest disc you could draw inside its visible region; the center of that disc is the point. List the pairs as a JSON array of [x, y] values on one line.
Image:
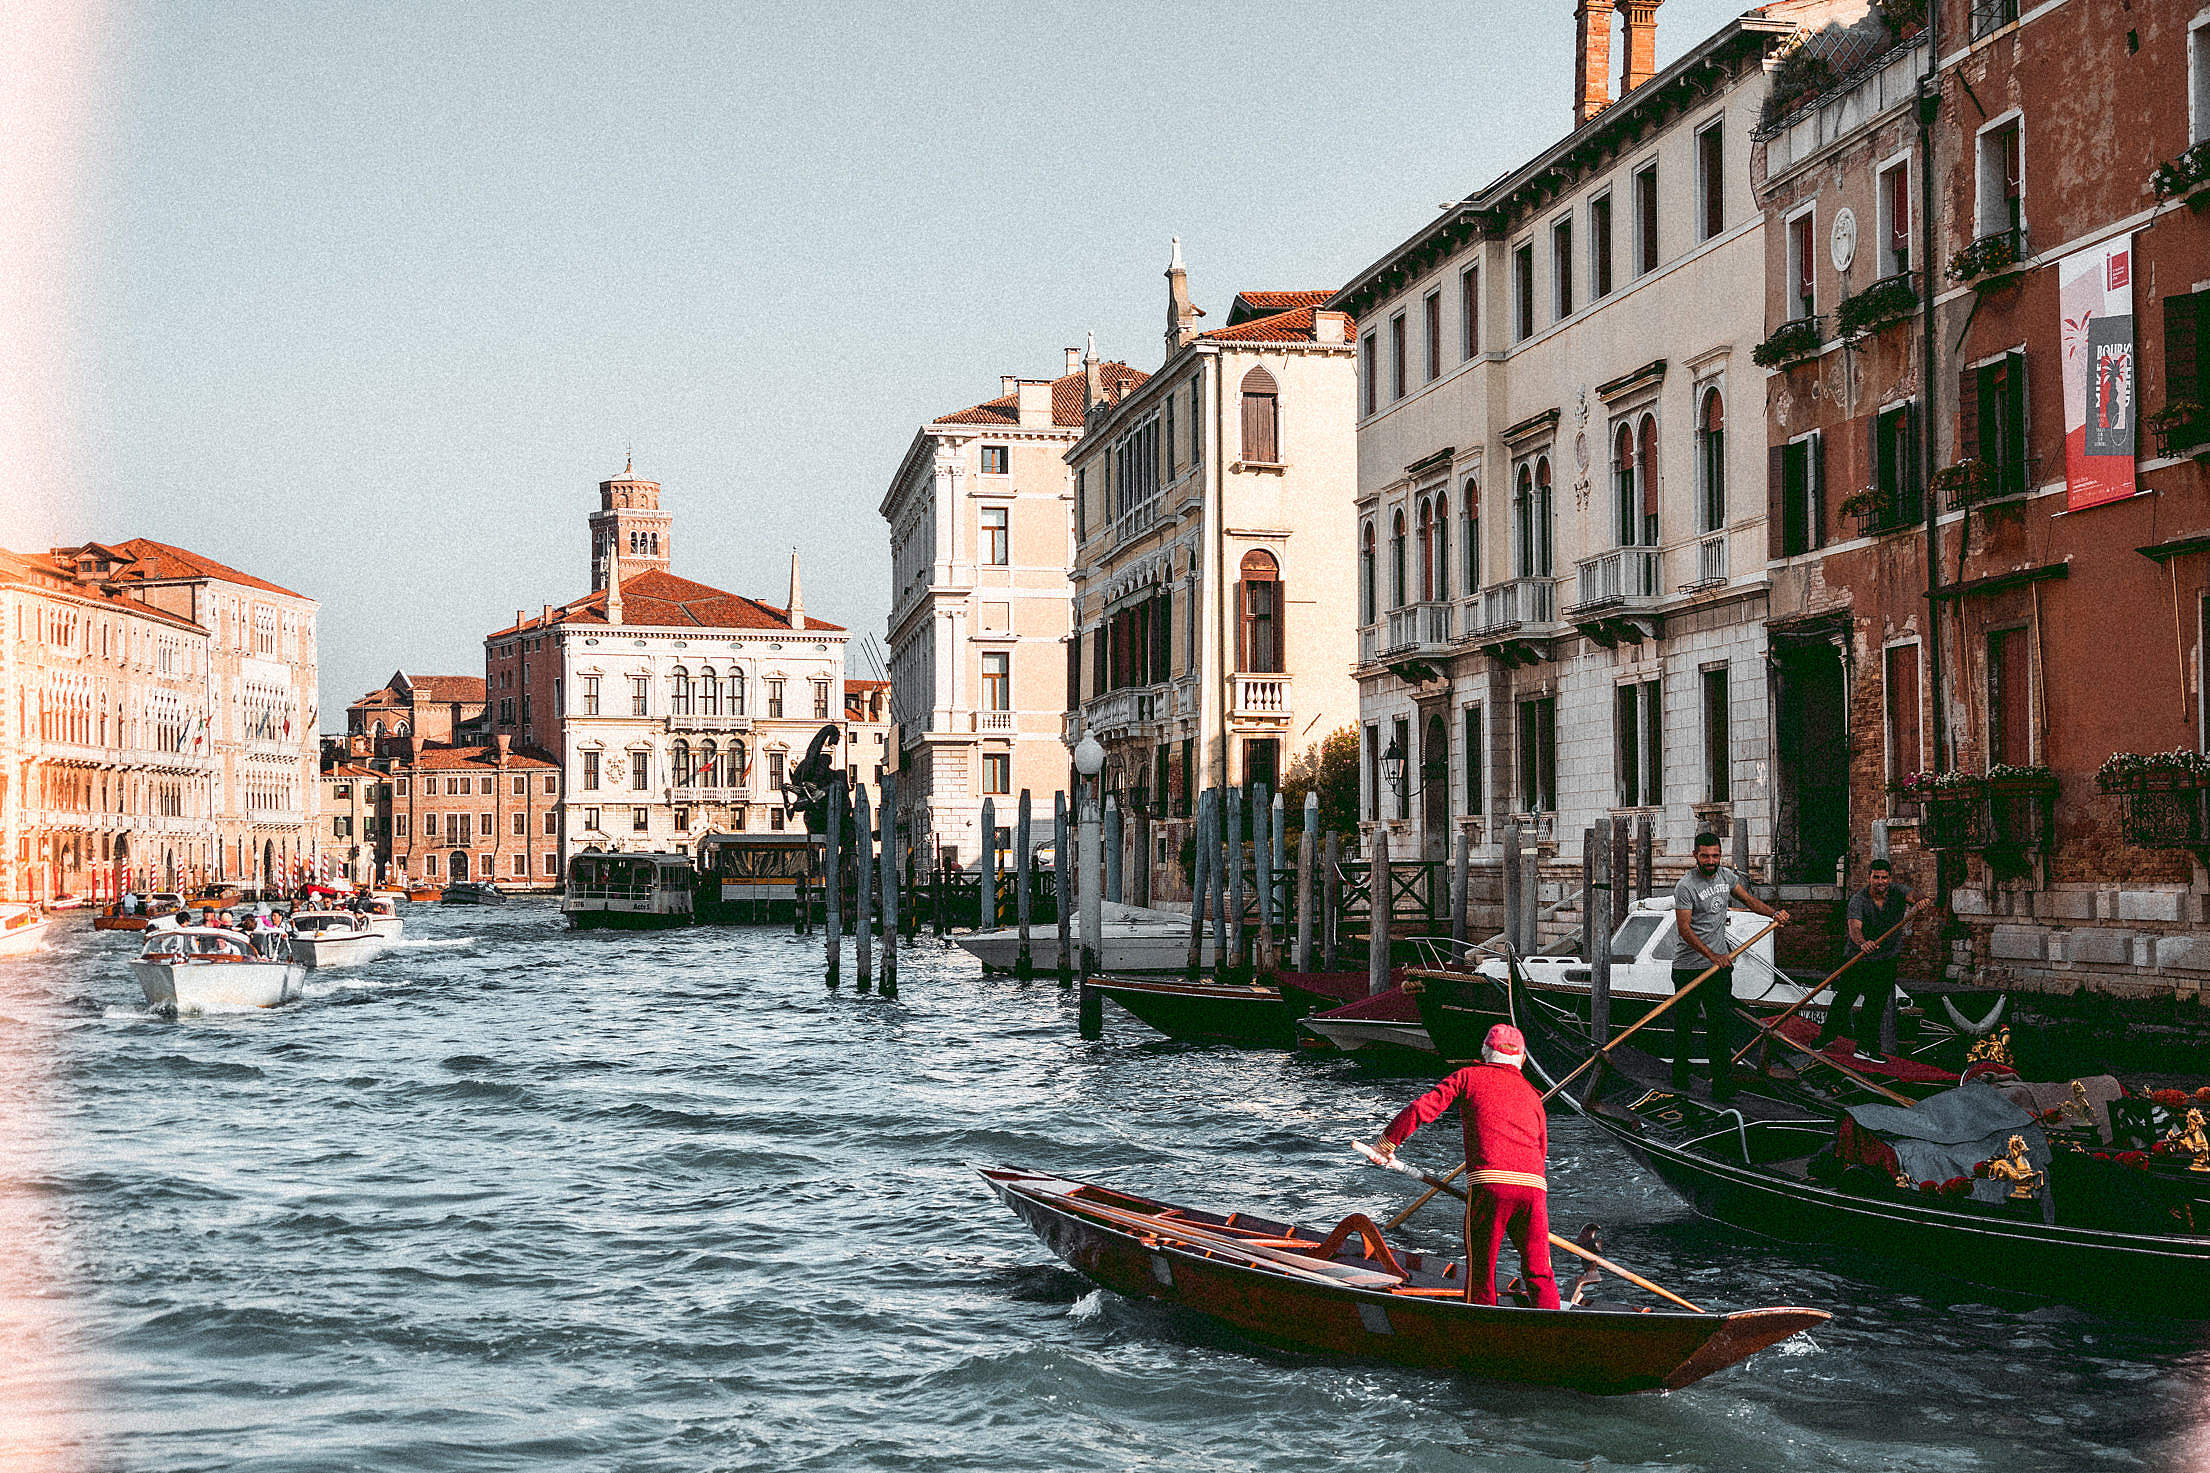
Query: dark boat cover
[[1948, 1134]]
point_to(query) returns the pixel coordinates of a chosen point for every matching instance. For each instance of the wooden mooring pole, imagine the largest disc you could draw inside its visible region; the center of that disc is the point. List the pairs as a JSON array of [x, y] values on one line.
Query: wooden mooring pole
[[863, 890], [1024, 873]]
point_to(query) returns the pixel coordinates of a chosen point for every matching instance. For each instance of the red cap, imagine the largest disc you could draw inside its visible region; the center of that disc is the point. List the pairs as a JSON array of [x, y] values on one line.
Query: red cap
[[1505, 1039]]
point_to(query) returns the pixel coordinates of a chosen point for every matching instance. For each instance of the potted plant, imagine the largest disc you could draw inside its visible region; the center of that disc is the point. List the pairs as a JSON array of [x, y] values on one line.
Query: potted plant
[[2184, 177], [1988, 262], [1903, 18], [2162, 796], [1890, 299], [1797, 338], [1968, 481]]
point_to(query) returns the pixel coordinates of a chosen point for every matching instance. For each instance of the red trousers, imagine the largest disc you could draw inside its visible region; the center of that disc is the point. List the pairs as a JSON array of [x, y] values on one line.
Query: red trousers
[[1493, 1210]]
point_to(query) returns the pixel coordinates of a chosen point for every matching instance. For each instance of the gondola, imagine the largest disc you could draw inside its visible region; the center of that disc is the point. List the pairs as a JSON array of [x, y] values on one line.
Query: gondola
[[1384, 1029], [1749, 1164], [1219, 1012], [1348, 1292]]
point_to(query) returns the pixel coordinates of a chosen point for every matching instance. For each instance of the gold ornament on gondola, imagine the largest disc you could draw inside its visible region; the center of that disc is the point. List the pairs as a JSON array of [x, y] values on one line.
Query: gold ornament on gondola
[[2017, 1168], [2192, 1139], [2078, 1108], [1993, 1049]]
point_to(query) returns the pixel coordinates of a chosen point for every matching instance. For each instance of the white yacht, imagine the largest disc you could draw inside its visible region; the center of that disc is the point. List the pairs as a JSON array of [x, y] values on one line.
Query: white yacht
[[193, 968]]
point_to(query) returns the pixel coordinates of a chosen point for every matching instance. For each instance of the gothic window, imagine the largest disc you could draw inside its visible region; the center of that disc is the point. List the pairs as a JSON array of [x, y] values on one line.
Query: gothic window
[[1262, 613], [1261, 418]]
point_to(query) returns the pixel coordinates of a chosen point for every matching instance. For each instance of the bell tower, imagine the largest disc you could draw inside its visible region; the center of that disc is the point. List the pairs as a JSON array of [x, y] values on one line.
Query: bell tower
[[629, 519]]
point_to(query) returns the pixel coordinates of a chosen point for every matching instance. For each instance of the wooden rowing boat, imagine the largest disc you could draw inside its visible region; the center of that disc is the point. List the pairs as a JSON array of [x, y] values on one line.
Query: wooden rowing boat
[[1348, 1292], [1216, 1012]]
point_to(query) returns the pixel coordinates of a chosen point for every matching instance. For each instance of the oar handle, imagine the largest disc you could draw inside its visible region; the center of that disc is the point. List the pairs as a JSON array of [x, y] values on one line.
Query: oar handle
[[1847, 962], [1391, 1163]]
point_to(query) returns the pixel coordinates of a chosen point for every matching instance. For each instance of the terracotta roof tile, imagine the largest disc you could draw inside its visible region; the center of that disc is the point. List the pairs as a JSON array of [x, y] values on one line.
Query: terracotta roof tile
[[153, 561], [657, 598], [350, 769], [38, 570], [1283, 327], [854, 686], [1066, 400], [475, 759], [1249, 305], [462, 688]]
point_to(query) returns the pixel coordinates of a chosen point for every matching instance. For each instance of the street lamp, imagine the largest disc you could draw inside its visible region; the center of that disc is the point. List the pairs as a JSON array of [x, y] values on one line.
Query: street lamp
[[1089, 757], [1392, 764]]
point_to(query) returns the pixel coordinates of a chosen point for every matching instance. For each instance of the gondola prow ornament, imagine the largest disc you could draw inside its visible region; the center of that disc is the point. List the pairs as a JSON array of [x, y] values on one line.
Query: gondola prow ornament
[[2016, 1167], [2193, 1140], [1507, 1151]]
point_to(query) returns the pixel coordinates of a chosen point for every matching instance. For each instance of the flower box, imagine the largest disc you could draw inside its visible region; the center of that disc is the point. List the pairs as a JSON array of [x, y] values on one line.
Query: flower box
[[1877, 512], [2162, 797], [1889, 300], [2021, 808], [2186, 177], [1989, 262], [2182, 427], [1955, 819], [1791, 342]]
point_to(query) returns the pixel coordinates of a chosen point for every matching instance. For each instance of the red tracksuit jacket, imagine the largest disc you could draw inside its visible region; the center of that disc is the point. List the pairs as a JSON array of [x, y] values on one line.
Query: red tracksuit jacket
[[1507, 1136]]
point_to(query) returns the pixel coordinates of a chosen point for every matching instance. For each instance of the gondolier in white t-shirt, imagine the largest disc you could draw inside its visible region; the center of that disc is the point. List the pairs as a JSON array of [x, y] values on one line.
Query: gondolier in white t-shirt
[[1700, 904]]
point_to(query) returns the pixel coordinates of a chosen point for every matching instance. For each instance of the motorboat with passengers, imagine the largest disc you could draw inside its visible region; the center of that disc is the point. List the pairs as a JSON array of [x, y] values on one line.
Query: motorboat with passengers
[[190, 969]]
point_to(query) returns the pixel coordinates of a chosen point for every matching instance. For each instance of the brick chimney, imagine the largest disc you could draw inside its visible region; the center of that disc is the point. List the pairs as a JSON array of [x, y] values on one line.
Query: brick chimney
[[505, 744], [1330, 327], [1034, 401], [1093, 378], [1007, 385], [1641, 43], [1074, 362], [1592, 60]]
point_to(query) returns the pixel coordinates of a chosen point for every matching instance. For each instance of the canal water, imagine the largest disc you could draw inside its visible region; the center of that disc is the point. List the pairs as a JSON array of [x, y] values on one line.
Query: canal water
[[516, 1198]]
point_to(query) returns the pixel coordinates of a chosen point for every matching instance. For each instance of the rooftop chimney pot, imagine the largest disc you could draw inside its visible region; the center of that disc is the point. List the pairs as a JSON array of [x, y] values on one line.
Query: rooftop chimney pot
[[1592, 59], [1641, 43]]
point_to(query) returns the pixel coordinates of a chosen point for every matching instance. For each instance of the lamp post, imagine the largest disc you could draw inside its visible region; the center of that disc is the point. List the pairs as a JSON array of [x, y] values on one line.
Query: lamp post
[[1392, 769], [1089, 761]]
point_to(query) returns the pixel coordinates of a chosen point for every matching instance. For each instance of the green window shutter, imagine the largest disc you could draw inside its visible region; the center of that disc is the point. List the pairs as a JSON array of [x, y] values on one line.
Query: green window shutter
[[2182, 349]]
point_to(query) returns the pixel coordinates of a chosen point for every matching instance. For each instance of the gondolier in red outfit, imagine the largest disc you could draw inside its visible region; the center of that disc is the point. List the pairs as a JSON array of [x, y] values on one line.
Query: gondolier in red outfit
[[1507, 1150]]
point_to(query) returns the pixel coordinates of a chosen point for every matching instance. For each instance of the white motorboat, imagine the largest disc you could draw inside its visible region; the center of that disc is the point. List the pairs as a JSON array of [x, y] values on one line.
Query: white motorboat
[[23, 929], [1135, 940], [193, 968], [381, 911], [335, 938]]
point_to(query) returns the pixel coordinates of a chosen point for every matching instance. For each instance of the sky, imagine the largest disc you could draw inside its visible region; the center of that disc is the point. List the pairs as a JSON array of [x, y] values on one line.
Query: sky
[[366, 299]]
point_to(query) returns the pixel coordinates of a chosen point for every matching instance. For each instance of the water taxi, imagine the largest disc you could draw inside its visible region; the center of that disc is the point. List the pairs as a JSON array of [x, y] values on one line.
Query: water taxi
[[334, 938], [754, 877], [189, 969], [630, 891], [22, 929]]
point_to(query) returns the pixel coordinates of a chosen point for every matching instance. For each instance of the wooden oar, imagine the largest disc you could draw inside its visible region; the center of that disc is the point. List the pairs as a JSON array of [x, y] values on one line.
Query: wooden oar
[[1776, 1036], [1401, 1218], [1391, 1163], [1318, 1269], [1851, 961]]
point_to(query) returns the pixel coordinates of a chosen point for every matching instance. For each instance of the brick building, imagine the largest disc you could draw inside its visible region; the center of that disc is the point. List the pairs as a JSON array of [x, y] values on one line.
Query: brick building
[[436, 708], [488, 812], [1989, 533], [349, 823]]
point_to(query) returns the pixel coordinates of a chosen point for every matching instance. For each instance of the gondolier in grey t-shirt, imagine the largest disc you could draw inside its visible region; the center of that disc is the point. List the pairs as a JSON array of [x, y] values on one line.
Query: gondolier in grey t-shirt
[[1700, 904], [1876, 916]]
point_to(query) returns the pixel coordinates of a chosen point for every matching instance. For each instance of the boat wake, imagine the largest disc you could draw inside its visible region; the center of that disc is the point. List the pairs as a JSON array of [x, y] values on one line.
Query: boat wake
[[1088, 1307], [432, 943], [348, 984]]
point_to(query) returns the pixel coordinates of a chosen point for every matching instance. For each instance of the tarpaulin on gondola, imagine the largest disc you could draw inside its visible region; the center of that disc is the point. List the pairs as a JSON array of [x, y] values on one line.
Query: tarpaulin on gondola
[[1948, 1134]]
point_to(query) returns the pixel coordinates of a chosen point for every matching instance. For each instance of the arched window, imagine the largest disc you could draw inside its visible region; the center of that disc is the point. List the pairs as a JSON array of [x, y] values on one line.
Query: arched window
[[733, 765], [1627, 503], [1442, 547], [734, 690], [1261, 418], [1261, 641], [679, 692], [1396, 560], [1427, 550], [709, 692], [708, 772], [1471, 516], [1366, 574], [1544, 528], [1523, 524], [680, 755], [1646, 473], [1711, 458]]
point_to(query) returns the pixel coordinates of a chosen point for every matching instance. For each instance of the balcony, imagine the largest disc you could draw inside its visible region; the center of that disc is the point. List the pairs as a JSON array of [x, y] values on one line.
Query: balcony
[[1711, 563], [1119, 712], [994, 723], [1417, 639], [1518, 619], [687, 721], [1619, 592], [1263, 697], [1369, 643]]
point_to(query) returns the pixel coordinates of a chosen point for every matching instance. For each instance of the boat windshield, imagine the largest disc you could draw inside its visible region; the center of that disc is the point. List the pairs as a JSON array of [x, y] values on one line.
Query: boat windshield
[[1627, 943]]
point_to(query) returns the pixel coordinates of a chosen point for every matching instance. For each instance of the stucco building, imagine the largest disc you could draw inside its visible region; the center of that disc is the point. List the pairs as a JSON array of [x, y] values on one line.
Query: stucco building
[[1560, 522], [1213, 589], [980, 513], [106, 766], [672, 708], [1989, 573]]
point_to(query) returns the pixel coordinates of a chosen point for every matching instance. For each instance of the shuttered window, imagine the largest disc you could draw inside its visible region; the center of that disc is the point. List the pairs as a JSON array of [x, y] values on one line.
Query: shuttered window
[[1261, 418], [1991, 418], [2183, 342]]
